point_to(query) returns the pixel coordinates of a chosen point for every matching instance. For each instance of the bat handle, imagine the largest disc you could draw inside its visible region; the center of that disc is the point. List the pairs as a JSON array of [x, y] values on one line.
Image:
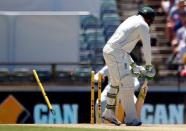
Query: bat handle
[[146, 82]]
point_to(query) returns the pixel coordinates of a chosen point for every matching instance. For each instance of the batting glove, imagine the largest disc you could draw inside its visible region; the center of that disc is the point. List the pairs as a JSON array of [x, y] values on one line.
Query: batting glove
[[136, 70], [150, 72]]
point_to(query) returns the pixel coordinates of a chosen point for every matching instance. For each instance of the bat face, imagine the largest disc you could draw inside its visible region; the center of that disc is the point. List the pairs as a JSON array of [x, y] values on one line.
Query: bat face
[[143, 91], [141, 98]]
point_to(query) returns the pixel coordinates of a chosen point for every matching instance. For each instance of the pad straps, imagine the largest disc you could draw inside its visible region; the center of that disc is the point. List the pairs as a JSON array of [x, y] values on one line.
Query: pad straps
[[111, 97]]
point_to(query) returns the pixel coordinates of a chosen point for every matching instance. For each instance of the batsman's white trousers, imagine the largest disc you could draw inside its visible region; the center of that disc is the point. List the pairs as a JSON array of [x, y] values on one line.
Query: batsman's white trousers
[[119, 112], [118, 62]]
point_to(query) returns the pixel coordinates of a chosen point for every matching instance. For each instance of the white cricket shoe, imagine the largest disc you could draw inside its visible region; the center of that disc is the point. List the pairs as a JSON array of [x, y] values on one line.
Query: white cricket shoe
[[109, 115]]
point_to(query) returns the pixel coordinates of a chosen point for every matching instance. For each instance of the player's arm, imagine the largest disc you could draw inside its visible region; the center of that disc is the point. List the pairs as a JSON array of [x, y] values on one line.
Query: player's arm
[[145, 38], [103, 71]]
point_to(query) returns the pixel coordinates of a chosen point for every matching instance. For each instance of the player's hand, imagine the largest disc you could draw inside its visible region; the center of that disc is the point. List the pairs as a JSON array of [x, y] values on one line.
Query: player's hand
[[150, 72], [137, 70], [96, 77]]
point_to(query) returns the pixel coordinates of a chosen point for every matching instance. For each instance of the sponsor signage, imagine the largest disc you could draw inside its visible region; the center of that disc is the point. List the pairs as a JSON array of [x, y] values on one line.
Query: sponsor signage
[[30, 107], [74, 107]]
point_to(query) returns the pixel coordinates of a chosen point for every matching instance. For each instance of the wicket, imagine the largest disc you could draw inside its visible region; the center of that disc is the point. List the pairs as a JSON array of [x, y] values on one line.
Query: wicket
[[43, 91], [92, 112]]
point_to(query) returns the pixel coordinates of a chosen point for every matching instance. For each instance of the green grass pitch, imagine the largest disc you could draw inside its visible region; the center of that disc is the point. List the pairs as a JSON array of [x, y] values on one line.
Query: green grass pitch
[[19, 128]]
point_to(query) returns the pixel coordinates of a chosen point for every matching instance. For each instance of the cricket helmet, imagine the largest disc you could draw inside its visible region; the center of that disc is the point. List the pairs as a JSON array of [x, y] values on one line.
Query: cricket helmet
[[147, 12]]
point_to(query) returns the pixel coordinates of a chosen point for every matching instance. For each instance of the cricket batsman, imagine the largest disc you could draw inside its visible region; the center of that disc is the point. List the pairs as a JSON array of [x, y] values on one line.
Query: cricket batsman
[[120, 112], [116, 54]]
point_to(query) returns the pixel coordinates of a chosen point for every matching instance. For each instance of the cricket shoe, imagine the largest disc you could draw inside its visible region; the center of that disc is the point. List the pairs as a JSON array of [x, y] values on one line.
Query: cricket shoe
[[134, 122], [109, 116]]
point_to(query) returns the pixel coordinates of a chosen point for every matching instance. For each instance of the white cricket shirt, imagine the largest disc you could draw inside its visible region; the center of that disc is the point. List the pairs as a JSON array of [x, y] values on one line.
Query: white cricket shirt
[[129, 33]]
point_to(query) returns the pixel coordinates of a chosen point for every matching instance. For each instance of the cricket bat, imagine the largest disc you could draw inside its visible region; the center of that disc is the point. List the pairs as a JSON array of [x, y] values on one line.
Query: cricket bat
[[141, 98]]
